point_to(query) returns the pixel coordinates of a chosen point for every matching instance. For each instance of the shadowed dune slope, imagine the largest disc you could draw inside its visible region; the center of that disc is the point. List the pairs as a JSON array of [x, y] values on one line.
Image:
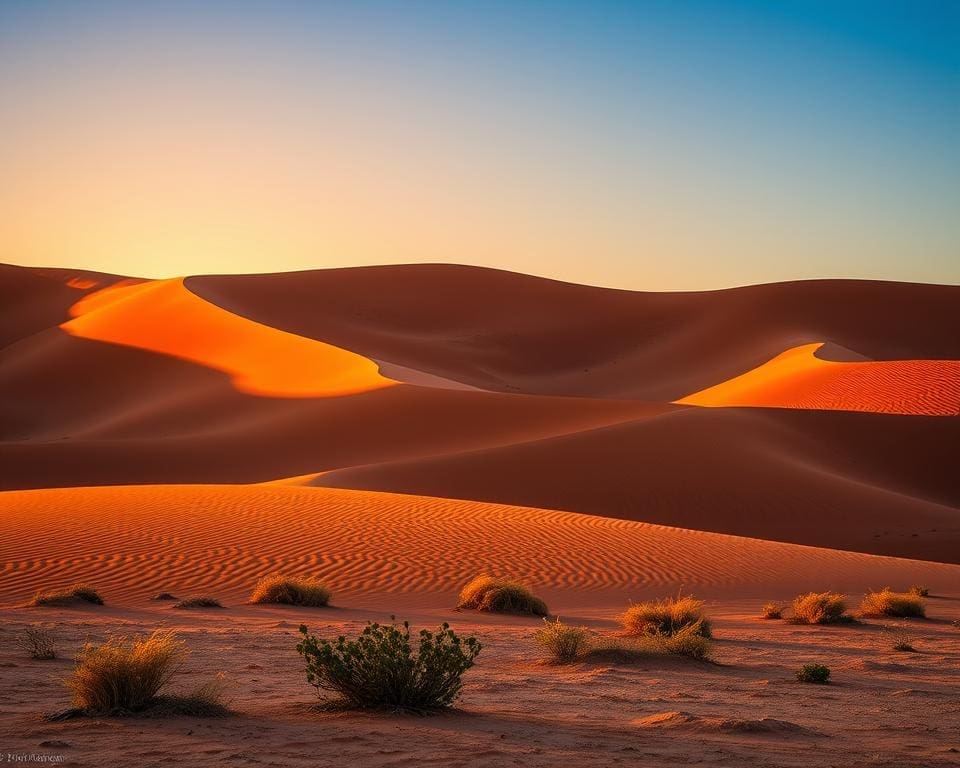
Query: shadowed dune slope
[[510, 332], [865, 482], [135, 541], [800, 378]]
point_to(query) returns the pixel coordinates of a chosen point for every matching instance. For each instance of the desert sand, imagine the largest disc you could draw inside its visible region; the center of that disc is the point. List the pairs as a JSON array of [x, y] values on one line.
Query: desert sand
[[395, 431]]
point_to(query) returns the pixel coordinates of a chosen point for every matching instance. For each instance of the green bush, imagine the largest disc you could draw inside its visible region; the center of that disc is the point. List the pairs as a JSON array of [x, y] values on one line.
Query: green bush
[[381, 670], [813, 673], [561, 642]]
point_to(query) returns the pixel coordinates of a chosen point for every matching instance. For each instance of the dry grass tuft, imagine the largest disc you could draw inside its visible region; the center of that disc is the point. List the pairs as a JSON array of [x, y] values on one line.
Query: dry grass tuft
[[561, 642], [666, 617], [889, 603], [901, 640], [486, 593], [772, 611], [200, 601], [122, 675], [291, 590], [819, 608], [919, 590], [687, 641], [76, 593], [38, 643], [164, 596]]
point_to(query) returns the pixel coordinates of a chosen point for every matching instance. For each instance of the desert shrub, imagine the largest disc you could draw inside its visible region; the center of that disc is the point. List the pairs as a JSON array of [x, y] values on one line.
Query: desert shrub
[[199, 601], [666, 617], [125, 675], [889, 603], [772, 611], [561, 642], [164, 596], [204, 701], [486, 593], [813, 673], [919, 590], [687, 641], [380, 669], [38, 643], [819, 608], [76, 593], [901, 640], [291, 590]]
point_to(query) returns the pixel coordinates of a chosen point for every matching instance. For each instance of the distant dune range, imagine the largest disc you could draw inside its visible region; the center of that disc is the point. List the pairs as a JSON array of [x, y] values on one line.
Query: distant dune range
[[498, 387], [133, 542]]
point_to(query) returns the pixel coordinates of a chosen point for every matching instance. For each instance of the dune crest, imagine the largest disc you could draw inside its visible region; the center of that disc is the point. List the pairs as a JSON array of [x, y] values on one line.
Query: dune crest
[[163, 316], [799, 378]]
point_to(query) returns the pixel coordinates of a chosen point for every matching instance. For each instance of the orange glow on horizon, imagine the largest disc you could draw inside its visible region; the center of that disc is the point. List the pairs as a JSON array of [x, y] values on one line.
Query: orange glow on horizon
[[163, 316]]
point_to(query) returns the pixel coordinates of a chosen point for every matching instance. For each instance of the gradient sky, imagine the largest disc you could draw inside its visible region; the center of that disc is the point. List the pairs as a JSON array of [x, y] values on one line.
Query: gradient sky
[[648, 145]]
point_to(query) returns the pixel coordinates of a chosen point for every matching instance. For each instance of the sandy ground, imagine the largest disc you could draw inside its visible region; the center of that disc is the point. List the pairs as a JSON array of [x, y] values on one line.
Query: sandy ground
[[883, 708]]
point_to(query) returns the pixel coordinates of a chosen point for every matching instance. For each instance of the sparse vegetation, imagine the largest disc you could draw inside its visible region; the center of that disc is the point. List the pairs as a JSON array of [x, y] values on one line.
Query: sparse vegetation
[[772, 611], [76, 593], [164, 596], [486, 593], [199, 601], [889, 603], [919, 590], [381, 670], [666, 617], [39, 643], [901, 640], [687, 641], [561, 642], [813, 673], [291, 590], [819, 608], [122, 675]]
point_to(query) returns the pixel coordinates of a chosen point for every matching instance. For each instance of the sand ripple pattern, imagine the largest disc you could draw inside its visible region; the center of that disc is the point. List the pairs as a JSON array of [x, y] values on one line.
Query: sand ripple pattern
[[136, 540]]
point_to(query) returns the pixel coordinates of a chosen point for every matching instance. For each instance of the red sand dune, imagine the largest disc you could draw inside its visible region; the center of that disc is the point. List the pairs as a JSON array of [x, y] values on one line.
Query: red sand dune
[[800, 378], [515, 333], [133, 542]]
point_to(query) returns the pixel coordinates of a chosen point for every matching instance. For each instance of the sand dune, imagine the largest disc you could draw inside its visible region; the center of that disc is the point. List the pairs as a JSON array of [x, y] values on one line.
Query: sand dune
[[799, 378], [830, 479], [135, 541], [515, 333]]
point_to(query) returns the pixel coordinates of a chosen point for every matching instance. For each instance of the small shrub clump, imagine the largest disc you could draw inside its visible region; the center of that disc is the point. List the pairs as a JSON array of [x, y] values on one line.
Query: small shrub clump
[[122, 675], [77, 593], [486, 593], [291, 590], [919, 590], [889, 603], [561, 642], [38, 643], [813, 673], [687, 642], [666, 617], [819, 608], [200, 601], [164, 596], [772, 611], [901, 640], [381, 670]]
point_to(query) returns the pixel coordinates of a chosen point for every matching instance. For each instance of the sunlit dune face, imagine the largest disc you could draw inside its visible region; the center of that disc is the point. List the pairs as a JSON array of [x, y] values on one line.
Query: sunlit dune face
[[165, 317], [798, 378]]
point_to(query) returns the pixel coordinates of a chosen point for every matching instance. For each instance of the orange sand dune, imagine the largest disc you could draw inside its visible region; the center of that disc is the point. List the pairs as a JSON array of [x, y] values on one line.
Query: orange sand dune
[[162, 316], [859, 481], [798, 378], [515, 333], [135, 541]]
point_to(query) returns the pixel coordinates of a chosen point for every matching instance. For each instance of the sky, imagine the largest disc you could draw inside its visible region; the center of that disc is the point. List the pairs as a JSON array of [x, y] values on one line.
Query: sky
[[645, 145]]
